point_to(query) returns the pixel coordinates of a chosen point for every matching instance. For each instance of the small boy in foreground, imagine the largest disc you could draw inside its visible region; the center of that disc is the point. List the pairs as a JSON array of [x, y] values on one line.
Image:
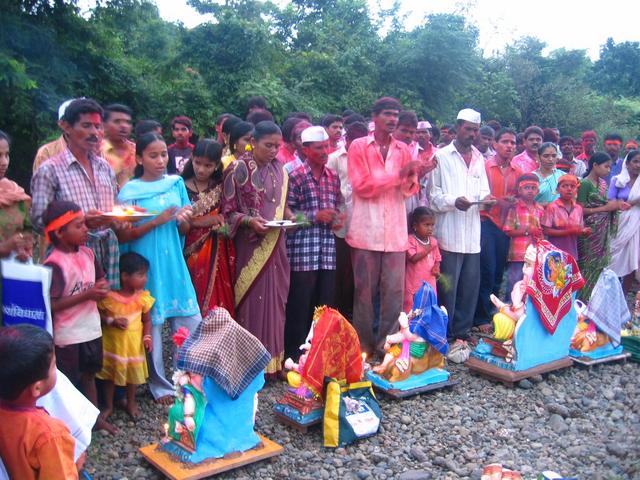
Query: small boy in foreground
[[33, 445]]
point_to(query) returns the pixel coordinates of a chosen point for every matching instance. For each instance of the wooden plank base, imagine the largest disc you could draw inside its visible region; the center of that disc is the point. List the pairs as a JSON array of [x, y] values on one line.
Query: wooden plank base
[[398, 394], [177, 470], [511, 377], [304, 428], [590, 362]]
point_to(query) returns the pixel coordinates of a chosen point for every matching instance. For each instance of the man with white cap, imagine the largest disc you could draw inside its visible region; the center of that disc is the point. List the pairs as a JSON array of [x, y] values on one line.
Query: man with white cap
[[382, 175], [426, 149], [78, 174], [314, 191], [57, 146], [459, 185], [424, 152]]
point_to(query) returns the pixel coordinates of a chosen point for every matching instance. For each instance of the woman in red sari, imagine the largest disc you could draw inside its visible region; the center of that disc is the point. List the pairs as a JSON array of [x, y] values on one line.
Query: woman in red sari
[[210, 255]]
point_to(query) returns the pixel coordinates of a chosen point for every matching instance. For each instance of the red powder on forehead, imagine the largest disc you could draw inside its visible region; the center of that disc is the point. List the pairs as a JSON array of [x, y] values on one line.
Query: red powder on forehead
[[94, 117]]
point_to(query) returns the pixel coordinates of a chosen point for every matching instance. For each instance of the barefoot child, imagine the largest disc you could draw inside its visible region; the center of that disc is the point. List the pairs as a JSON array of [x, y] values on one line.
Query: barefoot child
[[562, 221], [77, 283], [423, 255], [33, 445], [127, 333], [522, 225]]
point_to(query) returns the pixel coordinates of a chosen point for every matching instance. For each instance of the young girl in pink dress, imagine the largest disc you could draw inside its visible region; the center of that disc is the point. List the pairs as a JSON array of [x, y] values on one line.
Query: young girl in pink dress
[[423, 255]]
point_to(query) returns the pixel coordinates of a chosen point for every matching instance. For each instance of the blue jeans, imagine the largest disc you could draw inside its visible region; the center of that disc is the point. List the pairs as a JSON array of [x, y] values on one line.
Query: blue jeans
[[494, 248]]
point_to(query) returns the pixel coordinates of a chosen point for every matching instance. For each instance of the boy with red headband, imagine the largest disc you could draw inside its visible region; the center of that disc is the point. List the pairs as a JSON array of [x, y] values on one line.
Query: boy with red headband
[[522, 225], [562, 221], [77, 283]]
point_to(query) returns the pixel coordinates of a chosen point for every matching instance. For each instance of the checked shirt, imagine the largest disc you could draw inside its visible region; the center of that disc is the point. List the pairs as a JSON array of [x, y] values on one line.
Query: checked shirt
[[313, 247]]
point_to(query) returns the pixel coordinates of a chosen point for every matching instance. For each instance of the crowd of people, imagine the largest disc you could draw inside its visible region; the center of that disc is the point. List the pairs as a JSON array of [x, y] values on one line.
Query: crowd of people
[[273, 221]]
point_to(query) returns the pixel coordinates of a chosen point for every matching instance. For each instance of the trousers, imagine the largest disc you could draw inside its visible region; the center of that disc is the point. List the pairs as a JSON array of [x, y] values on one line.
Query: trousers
[[307, 290], [460, 294], [158, 383], [494, 248], [377, 275]]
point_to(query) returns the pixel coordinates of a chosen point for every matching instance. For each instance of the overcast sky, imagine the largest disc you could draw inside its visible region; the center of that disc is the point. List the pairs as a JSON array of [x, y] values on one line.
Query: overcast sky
[[572, 24]]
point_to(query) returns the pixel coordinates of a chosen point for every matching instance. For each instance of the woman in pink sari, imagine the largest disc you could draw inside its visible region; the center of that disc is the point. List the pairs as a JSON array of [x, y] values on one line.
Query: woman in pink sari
[[255, 192]]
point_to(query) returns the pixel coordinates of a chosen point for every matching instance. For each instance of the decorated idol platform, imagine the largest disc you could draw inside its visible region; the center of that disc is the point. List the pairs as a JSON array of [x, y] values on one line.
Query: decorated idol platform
[[330, 366], [210, 426], [414, 361], [597, 337], [532, 335]]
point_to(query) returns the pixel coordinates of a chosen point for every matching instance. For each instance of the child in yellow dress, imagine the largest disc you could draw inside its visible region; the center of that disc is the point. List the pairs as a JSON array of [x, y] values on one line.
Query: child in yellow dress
[[126, 333]]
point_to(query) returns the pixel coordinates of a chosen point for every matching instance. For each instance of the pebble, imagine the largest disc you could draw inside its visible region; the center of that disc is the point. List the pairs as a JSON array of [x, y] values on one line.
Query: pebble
[[557, 408], [616, 449], [415, 475], [525, 384], [557, 424]]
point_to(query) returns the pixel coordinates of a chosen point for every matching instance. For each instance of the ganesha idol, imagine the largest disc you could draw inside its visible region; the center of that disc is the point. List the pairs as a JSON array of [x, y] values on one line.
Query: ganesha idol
[[598, 333], [414, 356], [332, 349], [536, 327], [221, 372]]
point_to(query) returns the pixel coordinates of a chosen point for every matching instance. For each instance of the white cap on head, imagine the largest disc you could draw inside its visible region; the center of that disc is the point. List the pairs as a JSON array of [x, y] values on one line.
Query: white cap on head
[[424, 125], [314, 134], [469, 115], [63, 107]]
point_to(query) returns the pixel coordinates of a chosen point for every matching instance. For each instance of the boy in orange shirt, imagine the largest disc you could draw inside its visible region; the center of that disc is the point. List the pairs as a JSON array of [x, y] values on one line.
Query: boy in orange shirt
[[33, 445]]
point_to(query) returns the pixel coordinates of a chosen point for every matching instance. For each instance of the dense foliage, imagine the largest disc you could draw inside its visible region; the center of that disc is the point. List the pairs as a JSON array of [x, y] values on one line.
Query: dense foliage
[[313, 55]]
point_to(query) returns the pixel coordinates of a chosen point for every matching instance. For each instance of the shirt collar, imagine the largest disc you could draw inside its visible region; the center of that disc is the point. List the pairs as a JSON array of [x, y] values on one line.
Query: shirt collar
[[106, 145], [69, 158], [560, 203], [491, 162], [307, 170], [393, 143], [475, 153]]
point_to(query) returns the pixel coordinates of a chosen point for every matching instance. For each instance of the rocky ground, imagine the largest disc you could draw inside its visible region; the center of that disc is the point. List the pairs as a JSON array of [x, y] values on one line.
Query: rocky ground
[[580, 423]]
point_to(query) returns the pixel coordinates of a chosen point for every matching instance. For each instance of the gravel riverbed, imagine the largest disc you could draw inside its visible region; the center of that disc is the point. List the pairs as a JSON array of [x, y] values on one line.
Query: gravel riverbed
[[577, 422]]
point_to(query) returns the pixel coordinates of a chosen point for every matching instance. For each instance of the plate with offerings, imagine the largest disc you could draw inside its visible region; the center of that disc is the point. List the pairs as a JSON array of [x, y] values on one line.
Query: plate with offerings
[[281, 224], [128, 213]]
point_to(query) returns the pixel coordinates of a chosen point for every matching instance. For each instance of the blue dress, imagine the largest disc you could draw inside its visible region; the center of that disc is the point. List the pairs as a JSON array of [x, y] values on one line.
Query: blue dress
[[168, 281]]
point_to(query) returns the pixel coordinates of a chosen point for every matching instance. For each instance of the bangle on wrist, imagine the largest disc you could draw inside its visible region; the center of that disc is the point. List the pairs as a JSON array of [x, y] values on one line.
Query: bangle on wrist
[[146, 336]]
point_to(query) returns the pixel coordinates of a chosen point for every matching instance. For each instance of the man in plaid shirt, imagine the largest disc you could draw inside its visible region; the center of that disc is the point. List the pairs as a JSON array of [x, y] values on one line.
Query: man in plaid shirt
[[314, 191], [79, 175]]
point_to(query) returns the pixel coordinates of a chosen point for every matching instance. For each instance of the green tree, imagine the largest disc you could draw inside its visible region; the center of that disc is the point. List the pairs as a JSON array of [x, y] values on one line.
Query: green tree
[[616, 71]]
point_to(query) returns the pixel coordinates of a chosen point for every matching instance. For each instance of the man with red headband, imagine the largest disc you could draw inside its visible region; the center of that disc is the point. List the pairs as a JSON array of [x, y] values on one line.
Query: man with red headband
[[589, 142], [613, 146], [79, 175]]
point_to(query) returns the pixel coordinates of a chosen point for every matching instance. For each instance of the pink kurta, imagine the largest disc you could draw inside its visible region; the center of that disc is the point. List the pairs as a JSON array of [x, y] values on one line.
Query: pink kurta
[[379, 220], [420, 271]]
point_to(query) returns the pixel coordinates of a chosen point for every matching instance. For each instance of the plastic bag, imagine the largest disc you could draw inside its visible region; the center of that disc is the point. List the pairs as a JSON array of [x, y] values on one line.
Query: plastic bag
[[351, 412]]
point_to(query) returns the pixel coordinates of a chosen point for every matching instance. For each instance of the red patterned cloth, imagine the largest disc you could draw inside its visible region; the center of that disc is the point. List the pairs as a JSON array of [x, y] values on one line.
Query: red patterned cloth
[[335, 351], [556, 276]]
